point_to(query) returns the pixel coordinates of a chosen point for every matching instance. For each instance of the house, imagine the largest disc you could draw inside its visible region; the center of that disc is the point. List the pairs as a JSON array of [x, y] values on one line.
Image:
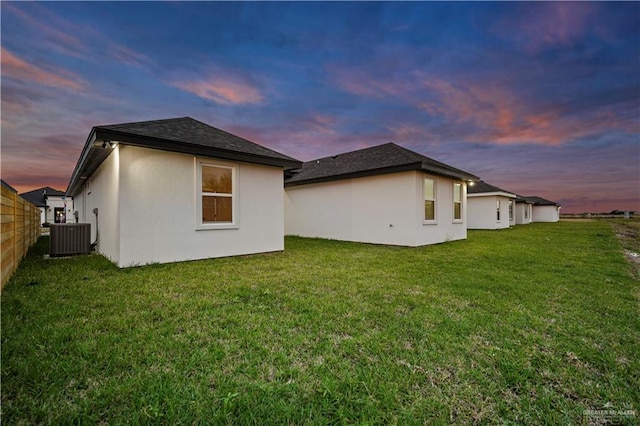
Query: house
[[384, 194], [178, 189], [543, 210], [489, 207], [524, 211], [54, 205]]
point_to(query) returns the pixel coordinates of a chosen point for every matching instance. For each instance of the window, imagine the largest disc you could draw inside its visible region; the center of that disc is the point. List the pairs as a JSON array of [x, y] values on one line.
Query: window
[[457, 201], [216, 194], [498, 210], [429, 199], [510, 210], [59, 215], [526, 211]]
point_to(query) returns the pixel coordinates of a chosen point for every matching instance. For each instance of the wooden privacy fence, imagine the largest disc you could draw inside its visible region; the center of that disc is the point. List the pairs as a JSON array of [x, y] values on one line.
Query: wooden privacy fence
[[20, 230]]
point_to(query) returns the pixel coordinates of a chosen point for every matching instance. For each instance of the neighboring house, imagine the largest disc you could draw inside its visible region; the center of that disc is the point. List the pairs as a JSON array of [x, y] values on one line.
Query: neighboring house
[[544, 210], [54, 205], [178, 189], [489, 207], [524, 211], [9, 187], [385, 194]]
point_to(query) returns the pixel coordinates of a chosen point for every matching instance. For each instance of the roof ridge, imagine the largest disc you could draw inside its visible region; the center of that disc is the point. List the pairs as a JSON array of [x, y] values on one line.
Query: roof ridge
[[482, 187], [41, 188], [368, 148], [407, 152], [149, 121], [378, 159], [423, 158], [536, 199], [184, 135]]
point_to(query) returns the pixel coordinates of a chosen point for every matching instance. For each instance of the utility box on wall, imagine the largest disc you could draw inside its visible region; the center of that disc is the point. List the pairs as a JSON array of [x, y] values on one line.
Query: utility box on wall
[[69, 238]]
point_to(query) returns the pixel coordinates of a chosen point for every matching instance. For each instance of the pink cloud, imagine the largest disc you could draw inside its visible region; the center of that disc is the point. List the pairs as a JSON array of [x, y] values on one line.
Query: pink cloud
[[480, 111], [500, 115], [307, 136], [358, 82], [323, 124], [59, 34], [50, 27], [127, 56], [549, 25], [16, 68], [222, 90], [26, 173]]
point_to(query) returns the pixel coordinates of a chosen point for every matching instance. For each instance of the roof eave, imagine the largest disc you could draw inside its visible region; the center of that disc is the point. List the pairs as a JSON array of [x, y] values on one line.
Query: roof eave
[[418, 166], [461, 175], [93, 155], [490, 194], [194, 149], [80, 170], [352, 175]]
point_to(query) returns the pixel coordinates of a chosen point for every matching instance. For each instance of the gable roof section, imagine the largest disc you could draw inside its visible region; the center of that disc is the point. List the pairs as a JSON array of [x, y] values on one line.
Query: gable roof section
[[183, 135], [482, 188], [9, 187], [376, 160], [521, 199], [38, 197], [539, 201]]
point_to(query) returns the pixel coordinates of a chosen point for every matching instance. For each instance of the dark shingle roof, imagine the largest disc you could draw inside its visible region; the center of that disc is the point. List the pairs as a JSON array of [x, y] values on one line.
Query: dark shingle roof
[[38, 197], [187, 131], [9, 187], [539, 201], [482, 187], [184, 135], [380, 159], [521, 199]]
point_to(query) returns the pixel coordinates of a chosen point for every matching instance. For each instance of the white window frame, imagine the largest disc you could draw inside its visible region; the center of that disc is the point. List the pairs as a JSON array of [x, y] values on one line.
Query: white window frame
[[235, 222], [511, 203], [453, 202], [435, 202], [498, 212]]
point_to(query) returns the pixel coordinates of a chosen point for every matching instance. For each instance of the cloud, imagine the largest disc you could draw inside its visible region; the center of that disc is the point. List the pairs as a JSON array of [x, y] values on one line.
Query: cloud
[[360, 82], [60, 35], [591, 169], [493, 108], [15, 68], [55, 32], [497, 113], [222, 90], [40, 161], [127, 56], [548, 25]]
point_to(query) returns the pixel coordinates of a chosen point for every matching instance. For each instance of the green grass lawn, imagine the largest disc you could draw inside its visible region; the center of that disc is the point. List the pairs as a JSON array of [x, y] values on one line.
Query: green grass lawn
[[530, 325]]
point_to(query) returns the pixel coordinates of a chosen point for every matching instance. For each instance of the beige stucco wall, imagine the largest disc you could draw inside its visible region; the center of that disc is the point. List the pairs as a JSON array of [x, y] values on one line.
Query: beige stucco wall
[[482, 212], [147, 201], [54, 202], [512, 220], [383, 209], [546, 213], [101, 192], [520, 213]]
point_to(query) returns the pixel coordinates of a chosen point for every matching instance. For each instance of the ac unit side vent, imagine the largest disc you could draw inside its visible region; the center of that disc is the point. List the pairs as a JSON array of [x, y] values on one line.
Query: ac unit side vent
[[67, 239]]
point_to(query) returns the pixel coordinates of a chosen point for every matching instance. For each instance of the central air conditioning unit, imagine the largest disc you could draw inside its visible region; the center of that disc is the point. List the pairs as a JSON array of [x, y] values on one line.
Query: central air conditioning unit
[[67, 239]]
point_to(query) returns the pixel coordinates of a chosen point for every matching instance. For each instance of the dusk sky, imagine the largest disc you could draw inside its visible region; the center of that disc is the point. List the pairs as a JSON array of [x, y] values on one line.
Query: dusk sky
[[536, 98]]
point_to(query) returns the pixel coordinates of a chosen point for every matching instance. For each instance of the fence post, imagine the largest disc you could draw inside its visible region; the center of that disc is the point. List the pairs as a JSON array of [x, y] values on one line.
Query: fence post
[[18, 222]]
